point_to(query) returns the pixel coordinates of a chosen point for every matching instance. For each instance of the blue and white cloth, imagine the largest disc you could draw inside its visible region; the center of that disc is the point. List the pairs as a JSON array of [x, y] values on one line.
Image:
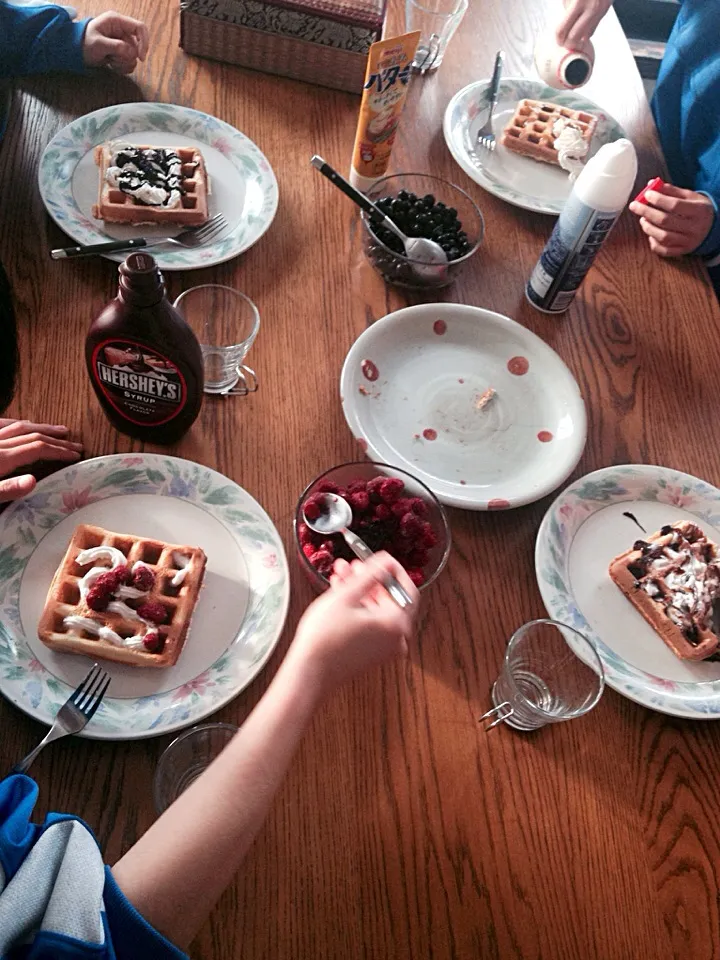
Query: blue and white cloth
[[57, 899]]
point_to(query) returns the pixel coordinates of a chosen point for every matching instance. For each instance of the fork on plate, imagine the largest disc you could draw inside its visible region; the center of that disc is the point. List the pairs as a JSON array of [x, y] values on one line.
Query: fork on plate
[[485, 136], [191, 237], [74, 715]]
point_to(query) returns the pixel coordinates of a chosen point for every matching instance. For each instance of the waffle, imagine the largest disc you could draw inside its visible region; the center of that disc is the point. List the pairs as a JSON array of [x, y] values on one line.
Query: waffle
[[64, 599], [530, 132], [114, 206], [673, 580]]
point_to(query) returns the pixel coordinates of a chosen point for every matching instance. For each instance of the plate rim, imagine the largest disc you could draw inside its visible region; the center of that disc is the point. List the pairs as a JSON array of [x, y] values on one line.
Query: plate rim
[[438, 309], [145, 105], [234, 690], [668, 697], [475, 173]]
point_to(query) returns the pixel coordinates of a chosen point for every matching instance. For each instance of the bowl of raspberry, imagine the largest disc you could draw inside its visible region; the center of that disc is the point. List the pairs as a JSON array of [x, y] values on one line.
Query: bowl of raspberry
[[392, 511], [422, 206]]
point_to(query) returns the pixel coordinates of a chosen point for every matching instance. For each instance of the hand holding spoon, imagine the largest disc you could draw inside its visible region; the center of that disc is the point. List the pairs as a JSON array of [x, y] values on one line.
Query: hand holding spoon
[[336, 518]]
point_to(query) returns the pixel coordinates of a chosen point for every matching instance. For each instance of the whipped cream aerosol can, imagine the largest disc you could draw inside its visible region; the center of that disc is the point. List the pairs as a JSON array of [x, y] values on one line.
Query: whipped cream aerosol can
[[597, 200], [561, 67]]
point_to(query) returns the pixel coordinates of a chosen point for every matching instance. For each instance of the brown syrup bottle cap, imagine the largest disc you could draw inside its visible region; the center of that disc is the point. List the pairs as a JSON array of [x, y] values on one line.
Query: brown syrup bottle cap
[[141, 282]]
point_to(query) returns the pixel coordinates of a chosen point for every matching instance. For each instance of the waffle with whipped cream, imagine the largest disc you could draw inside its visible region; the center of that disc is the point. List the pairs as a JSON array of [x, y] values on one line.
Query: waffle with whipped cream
[[537, 126], [145, 184], [673, 580], [121, 597]]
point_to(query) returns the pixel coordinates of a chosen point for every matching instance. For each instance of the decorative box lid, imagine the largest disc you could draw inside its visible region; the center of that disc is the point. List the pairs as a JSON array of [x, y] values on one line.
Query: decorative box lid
[[360, 13]]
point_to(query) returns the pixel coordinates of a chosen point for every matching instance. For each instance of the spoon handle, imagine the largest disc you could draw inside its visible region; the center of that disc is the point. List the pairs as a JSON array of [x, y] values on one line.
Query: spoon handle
[[356, 196], [363, 552]]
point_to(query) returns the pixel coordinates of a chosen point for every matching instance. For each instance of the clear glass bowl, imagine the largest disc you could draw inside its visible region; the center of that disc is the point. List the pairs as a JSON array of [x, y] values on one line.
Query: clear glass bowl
[[186, 758], [344, 474], [402, 271]]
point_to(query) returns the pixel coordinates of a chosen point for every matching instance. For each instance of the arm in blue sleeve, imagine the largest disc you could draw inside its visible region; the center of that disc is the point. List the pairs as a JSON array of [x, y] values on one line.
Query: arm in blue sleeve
[[711, 244], [39, 39]]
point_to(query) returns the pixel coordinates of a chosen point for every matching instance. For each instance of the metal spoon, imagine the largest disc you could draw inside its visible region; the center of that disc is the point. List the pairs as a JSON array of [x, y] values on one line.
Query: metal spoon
[[416, 248], [336, 518]]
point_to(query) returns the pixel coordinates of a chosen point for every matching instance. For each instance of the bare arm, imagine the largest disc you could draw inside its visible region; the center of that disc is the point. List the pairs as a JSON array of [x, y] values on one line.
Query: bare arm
[[176, 872]]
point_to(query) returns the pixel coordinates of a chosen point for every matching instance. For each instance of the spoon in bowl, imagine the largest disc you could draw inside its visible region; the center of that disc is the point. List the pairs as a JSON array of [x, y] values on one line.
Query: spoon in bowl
[[336, 517], [416, 248]]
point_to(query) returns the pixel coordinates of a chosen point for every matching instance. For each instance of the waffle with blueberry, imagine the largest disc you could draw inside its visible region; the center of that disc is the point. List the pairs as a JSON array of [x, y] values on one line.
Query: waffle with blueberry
[[673, 580], [121, 597]]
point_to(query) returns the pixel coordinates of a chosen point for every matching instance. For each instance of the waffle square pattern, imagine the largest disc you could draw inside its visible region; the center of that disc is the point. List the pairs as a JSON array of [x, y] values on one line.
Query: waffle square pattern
[[121, 597], [532, 131]]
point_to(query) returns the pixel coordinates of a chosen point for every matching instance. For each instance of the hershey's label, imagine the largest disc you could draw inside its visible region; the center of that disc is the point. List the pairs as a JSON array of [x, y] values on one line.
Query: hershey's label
[[143, 385]]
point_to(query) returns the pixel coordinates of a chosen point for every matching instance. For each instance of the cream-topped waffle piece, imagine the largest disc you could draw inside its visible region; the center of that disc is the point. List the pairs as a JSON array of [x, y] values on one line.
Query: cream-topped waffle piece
[[673, 580], [123, 598], [145, 184], [550, 133]]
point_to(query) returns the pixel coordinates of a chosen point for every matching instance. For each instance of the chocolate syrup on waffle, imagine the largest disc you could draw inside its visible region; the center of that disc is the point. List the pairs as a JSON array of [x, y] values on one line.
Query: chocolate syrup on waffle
[[144, 361]]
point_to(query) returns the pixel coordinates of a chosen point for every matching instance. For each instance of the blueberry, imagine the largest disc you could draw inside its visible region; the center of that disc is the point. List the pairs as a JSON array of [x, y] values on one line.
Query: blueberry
[[440, 206], [410, 197], [429, 200], [452, 212], [453, 253], [403, 195]]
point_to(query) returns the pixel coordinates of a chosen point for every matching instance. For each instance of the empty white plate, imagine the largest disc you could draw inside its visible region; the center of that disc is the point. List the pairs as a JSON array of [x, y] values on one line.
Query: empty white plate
[[414, 391]]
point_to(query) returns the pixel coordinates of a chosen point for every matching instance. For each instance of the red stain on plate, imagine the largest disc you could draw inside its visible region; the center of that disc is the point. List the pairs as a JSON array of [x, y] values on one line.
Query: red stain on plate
[[363, 444], [440, 327], [498, 504], [519, 366], [463, 482], [545, 436], [370, 371], [429, 433]]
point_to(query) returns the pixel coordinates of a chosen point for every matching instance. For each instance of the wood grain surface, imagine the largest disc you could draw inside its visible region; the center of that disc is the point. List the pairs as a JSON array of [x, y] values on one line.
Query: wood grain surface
[[403, 831]]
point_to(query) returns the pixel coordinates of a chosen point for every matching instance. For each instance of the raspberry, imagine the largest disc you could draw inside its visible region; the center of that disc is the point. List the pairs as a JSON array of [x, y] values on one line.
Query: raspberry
[[418, 558], [359, 501], [428, 537], [401, 507], [382, 512], [304, 533], [373, 489], [327, 486], [419, 507], [153, 642], [314, 506], [153, 611], [308, 549], [98, 597], [417, 577], [410, 525], [357, 486], [143, 578], [323, 562], [328, 545], [390, 489]]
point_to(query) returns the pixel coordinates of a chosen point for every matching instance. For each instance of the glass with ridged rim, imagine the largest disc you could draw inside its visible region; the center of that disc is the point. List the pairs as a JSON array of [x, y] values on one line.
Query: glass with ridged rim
[[188, 756], [550, 673], [437, 21], [226, 323]]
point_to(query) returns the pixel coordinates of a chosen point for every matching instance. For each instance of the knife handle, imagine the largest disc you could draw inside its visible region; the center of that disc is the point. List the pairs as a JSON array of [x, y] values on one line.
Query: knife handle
[[495, 82], [111, 246]]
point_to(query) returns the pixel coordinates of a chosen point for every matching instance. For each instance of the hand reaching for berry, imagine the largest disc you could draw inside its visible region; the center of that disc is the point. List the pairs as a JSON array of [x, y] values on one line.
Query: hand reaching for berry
[[355, 625], [675, 220], [115, 41], [23, 443], [580, 21]]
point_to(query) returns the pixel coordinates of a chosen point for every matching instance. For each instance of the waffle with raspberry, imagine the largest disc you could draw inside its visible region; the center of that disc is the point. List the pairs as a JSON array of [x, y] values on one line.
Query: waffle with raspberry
[[189, 209], [530, 132], [673, 580], [131, 595]]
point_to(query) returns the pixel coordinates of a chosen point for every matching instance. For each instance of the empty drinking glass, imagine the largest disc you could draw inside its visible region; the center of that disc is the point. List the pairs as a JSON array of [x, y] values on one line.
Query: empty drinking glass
[[226, 323], [186, 758], [550, 673], [437, 21]]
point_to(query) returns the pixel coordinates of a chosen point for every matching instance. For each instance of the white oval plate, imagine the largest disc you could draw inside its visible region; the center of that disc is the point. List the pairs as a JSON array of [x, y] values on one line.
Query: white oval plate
[[434, 361], [581, 533], [237, 621], [242, 183], [526, 183]]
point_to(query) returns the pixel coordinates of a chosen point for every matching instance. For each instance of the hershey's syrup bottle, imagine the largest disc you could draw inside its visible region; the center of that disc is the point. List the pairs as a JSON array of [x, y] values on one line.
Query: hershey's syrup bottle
[[144, 361]]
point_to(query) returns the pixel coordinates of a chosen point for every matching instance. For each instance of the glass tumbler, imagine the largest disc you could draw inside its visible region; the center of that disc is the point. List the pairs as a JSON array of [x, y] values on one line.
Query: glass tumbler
[[186, 758], [437, 21], [550, 673], [226, 323]]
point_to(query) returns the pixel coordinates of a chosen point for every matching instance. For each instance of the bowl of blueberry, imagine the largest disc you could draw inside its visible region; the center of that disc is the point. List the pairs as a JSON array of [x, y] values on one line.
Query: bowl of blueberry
[[392, 511], [422, 206]]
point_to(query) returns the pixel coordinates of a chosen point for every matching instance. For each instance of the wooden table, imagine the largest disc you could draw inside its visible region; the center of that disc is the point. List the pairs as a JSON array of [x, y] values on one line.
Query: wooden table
[[403, 831]]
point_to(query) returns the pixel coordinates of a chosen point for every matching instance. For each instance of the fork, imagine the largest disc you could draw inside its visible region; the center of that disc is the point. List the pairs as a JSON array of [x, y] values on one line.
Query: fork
[[75, 713], [485, 135], [191, 237]]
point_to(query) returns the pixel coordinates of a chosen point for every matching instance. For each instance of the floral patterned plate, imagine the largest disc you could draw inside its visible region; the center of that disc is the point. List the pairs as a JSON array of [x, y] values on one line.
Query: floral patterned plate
[[242, 183], [585, 528], [526, 183], [237, 622]]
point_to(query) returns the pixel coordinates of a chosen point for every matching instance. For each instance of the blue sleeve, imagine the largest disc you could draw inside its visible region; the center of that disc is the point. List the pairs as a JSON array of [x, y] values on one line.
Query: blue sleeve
[[711, 244], [132, 936], [39, 39]]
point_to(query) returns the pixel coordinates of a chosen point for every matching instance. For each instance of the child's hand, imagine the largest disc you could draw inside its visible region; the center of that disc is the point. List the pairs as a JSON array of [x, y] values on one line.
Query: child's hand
[[22, 443], [355, 625], [675, 220], [116, 41], [580, 21]]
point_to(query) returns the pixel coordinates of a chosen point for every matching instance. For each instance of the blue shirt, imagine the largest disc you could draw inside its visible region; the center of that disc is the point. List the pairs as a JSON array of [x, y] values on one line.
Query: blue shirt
[[57, 899]]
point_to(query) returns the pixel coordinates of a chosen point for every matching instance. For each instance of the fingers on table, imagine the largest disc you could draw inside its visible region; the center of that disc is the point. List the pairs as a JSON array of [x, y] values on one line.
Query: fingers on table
[[16, 487], [20, 452], [16, 428]]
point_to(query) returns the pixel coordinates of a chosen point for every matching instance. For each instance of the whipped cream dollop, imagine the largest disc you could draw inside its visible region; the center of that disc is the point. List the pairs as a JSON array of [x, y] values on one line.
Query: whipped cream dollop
[[75, 623], [153, 176], [183, 563], [571, 146]]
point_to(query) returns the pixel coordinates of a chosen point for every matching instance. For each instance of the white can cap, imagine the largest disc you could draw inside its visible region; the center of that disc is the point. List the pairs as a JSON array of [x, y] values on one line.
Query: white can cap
[[607, 178]]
